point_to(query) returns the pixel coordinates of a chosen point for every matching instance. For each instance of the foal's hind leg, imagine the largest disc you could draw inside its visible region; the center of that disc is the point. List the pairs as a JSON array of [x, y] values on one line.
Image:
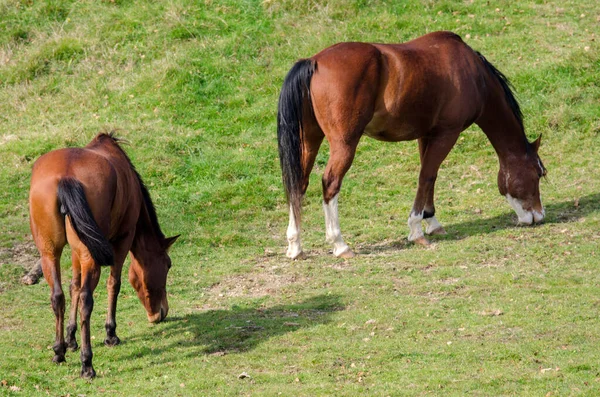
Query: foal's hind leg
[[90, 275], [312, 137], [49, 236], [433, 150], [51, 269], [74, 291], [341, 154]]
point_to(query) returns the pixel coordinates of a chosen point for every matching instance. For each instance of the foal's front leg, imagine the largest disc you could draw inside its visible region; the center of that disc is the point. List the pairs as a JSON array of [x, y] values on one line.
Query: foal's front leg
[[113, 284]]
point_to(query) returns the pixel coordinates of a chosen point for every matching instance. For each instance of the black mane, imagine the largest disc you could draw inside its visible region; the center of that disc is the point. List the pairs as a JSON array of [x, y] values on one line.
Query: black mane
[[145, 194], [506, 87]]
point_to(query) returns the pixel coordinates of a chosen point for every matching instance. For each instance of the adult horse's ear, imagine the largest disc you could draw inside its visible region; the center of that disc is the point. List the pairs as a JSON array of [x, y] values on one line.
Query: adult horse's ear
[[170, 240], [537, 142]]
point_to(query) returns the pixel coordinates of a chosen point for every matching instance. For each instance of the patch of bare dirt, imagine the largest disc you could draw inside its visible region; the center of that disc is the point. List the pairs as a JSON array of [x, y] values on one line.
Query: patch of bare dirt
[[22, 254], [254, 285]]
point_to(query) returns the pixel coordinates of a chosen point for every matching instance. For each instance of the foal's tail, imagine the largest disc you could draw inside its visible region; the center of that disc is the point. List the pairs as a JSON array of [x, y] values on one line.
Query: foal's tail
[[294, 96], [74, 204]]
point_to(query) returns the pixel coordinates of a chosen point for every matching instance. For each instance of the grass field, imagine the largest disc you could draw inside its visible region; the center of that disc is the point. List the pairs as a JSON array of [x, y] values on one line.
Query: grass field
[[489, 309]]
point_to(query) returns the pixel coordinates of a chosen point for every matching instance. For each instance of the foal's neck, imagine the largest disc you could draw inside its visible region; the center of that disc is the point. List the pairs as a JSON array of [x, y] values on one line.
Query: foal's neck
[[147, 241]]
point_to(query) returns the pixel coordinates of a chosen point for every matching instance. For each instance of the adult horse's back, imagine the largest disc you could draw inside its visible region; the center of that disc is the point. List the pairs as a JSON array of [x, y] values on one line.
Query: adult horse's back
[[430, 89], [94, 199]]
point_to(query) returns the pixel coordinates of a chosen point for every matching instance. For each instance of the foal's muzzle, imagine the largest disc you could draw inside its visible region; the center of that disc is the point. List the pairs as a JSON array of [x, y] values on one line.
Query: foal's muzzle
[[161, 315]]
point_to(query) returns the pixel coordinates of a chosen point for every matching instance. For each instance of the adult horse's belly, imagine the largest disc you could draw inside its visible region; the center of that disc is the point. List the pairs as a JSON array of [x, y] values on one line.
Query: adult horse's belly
[[385, 128]]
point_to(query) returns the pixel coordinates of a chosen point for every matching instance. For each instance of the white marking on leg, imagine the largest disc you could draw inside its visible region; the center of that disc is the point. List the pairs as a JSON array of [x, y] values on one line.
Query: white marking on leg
[[293, 237], [333, 233], [432, 225], [414, 223], [525, 216]]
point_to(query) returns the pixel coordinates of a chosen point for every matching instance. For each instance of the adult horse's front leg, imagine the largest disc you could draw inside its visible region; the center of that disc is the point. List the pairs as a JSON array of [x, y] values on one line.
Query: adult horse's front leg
[[341, 155], [433, 150]]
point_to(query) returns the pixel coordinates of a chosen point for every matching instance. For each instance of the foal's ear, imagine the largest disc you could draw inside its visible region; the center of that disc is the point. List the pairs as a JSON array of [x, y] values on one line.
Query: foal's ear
[[170, 240], [537, 142]]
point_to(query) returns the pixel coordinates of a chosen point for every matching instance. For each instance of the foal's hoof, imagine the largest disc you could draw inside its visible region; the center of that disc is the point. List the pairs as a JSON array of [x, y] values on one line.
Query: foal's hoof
[[346, 254], [72, 345], [112, 340], [439, 231], [422, 241], [88, 373], [58, 359]]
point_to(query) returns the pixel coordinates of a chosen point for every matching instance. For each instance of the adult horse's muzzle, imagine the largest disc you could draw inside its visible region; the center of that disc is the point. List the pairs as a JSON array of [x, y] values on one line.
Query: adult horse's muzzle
[[526, 216]]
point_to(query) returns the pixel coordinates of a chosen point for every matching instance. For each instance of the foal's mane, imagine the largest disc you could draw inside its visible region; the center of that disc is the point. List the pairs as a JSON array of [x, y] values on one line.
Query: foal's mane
[[145, 194], [506, 87]]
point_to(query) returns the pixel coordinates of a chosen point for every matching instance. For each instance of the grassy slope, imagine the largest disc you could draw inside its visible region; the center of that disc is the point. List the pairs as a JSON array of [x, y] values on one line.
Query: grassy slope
[[193, 86]]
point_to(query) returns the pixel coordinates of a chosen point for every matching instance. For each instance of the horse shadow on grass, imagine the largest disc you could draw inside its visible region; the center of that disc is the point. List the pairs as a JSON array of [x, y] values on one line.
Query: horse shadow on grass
[[236, 330], [559, 212]]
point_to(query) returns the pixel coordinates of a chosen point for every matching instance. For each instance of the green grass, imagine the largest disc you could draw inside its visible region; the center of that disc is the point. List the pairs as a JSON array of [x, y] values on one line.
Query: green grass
[[490, 309]]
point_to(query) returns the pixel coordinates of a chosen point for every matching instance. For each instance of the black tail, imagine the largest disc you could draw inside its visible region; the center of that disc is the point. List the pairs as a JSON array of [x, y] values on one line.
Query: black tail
[[294, 93], [74, 204], [505, 83]]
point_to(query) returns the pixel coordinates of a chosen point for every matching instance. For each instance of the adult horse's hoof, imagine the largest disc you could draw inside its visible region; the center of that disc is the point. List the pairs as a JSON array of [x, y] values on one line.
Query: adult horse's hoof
[[297, 257], [439, 231], [88, 373], [112, 340], [422, 241], [346, 254]]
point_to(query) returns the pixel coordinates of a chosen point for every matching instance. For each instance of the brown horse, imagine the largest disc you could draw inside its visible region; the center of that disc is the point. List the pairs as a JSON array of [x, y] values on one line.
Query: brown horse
[[430, 89], [94, 199]]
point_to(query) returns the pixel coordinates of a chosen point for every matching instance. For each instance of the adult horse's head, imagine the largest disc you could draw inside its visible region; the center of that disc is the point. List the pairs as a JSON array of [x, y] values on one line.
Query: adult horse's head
[[148, 276], [519, 180]]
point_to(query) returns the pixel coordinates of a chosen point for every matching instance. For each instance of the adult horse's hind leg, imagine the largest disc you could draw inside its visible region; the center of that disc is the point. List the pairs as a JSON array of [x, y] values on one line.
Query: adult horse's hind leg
[[433, 150], [312, 137], [341, 154]]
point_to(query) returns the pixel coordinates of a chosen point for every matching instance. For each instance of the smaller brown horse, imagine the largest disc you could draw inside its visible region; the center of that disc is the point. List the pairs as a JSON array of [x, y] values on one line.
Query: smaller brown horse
[[94, 199], [430, 89]]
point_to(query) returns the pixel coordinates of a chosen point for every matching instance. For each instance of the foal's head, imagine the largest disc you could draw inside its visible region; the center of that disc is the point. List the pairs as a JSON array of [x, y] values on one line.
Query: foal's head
[[519, 180], [148, 276]]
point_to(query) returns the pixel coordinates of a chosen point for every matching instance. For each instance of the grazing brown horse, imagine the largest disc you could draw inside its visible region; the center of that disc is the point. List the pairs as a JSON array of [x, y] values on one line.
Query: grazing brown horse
[[94, 199], [430, 89]]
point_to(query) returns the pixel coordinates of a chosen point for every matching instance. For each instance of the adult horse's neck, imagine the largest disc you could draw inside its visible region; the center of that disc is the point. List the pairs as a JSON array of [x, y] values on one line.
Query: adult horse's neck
[[504, 131], [501, 120]]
